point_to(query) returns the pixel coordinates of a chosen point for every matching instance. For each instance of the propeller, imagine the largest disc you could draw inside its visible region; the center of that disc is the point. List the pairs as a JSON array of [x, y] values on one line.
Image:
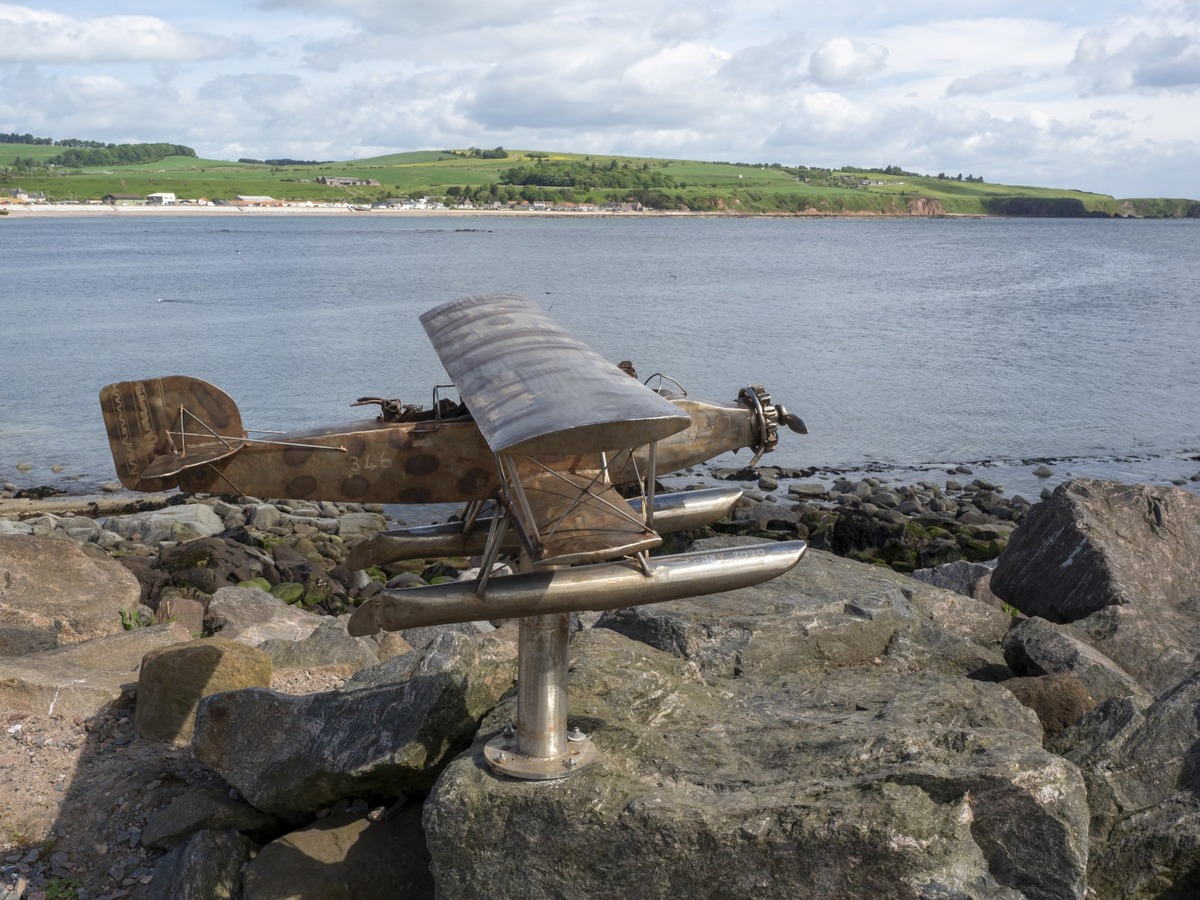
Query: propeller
[[791, 420]]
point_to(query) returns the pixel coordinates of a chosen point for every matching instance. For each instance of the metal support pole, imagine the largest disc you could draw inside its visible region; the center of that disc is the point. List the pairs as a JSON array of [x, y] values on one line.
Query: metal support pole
[[542, 685], [540, 748]]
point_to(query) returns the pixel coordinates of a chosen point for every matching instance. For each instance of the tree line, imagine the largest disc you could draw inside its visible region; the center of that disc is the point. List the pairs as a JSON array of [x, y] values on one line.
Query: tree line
[[13, 137], [587, 177], [287, 162], [118, 155], [476, 153]]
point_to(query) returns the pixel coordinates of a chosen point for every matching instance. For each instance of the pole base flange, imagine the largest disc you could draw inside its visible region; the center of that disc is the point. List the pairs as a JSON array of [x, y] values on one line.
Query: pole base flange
[[502, 756]]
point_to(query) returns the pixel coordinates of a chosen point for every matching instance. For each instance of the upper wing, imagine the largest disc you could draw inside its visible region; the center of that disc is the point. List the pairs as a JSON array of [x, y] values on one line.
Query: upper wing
[[536, 389], [549, 407]]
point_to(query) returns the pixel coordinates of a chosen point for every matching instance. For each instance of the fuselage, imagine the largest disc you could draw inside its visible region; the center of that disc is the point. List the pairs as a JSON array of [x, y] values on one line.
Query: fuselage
[[436, 461]]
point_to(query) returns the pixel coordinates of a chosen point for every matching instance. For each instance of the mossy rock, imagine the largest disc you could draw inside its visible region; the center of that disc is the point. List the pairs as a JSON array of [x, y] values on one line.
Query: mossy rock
[[813, 518], [183, 558], [938, 552], [338, 604], [305, 547], [984, 532], [404, 567], [317, 589], [899, 556], [289, 592], [870, 559], [980, 550], [256, 582], [441, 570]]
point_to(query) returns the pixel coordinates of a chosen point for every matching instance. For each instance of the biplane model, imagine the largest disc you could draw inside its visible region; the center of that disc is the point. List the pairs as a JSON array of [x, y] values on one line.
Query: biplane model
[[547, 440]]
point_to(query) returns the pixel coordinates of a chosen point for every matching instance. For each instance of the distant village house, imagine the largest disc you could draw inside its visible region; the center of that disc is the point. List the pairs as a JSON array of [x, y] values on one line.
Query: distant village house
[[337, 181], [20, 195]]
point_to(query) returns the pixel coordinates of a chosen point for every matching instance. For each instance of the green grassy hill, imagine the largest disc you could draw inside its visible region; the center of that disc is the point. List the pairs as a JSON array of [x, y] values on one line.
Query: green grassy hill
[[658, 183]]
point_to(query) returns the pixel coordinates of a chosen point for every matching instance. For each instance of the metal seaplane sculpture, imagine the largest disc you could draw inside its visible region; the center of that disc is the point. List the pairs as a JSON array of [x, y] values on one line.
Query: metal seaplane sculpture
[[546, 444]]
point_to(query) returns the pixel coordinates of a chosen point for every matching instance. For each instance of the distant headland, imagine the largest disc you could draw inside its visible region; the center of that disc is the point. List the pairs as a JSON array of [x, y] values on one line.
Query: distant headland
[[41, 174]]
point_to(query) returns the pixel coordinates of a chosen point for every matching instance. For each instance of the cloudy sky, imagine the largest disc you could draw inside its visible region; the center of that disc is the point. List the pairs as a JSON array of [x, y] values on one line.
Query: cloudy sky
[[1095, 94]]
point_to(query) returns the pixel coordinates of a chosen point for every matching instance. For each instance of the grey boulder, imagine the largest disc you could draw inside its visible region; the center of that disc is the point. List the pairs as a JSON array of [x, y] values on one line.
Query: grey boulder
[[1119, 561], [208, 866], [345, 855], [54, 593], [1036, 647], [842, 784], [827, 612], [250, 615], [387, 732], [82, 679], [185, 522]]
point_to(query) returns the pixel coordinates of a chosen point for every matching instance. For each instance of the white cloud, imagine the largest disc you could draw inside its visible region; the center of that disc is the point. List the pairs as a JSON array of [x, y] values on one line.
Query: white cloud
[[841, 62], [420, 16], [988, 82], [1095, 94], [38, 36], [1144, 62]]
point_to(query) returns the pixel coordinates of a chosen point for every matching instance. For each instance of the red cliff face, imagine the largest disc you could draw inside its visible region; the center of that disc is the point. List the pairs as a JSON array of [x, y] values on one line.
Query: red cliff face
[[925, 206]]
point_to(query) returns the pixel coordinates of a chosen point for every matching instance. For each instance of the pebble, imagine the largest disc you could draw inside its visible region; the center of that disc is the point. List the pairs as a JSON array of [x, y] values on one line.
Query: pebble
[[812, 489]]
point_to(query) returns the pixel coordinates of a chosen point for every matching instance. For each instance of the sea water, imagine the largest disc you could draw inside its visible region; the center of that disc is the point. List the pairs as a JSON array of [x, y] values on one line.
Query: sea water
[[909, 346]]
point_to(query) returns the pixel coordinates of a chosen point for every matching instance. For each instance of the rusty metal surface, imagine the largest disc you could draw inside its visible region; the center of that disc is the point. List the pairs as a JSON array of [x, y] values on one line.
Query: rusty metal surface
[[364, 462], [161, 426], [367, 461], [534, 388], [379, 462], [579, 521]]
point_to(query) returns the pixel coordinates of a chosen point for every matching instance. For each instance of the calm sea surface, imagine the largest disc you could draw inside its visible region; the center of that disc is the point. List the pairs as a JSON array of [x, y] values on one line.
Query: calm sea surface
[[908, 346]]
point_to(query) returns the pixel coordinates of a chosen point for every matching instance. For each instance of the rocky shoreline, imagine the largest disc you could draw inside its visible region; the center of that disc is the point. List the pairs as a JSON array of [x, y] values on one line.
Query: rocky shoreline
[[185, 714], [296, 550]]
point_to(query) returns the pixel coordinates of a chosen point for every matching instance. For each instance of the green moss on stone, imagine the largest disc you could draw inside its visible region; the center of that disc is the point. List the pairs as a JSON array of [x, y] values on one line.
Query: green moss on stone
[[289, 592]]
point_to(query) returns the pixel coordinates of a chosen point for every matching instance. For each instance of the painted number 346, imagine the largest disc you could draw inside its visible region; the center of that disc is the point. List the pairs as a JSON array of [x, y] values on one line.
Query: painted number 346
[[369, 463]]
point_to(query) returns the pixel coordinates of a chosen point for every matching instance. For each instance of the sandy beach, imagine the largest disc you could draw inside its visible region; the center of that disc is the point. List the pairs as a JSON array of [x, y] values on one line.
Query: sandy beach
[[32, 211]]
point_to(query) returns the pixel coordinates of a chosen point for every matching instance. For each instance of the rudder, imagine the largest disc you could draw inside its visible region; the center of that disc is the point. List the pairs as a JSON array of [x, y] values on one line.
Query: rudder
[[160, 426]]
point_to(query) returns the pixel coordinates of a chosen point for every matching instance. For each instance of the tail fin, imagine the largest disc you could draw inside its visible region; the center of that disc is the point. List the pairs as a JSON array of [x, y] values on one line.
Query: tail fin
[[161, 426]]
